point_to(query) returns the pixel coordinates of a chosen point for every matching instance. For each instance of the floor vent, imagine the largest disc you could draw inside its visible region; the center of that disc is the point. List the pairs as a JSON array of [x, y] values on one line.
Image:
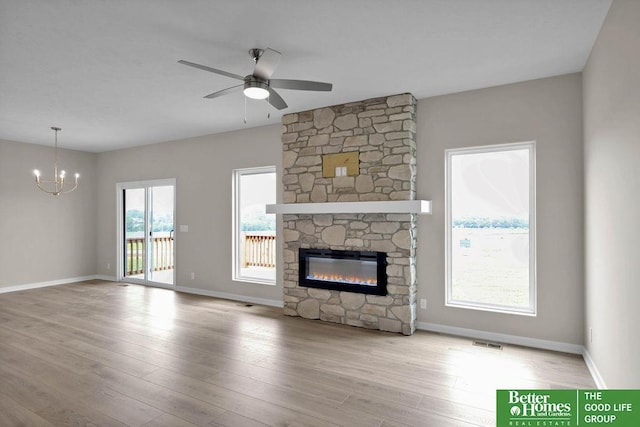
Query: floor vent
[[123, 284], [248, 305], [488, 344]]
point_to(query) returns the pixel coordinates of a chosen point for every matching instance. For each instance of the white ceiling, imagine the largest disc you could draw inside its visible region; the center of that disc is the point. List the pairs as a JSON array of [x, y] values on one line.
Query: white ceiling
[[106, 71]]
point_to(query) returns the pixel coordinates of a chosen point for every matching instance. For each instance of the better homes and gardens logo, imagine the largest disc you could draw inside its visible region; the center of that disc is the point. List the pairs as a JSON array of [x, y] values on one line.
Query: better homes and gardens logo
[[536, 407], [546, 408]]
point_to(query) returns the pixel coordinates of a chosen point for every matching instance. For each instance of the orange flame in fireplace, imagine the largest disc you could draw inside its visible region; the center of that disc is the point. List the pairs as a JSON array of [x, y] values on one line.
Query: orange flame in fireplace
[[343, 279]]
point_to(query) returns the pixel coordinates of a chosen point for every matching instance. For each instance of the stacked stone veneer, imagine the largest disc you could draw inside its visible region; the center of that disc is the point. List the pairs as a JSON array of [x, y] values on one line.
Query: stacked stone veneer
[[382, 130]]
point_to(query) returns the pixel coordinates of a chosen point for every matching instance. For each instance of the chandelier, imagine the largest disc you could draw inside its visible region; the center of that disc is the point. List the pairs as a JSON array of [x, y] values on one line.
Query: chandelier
[[55, 187]]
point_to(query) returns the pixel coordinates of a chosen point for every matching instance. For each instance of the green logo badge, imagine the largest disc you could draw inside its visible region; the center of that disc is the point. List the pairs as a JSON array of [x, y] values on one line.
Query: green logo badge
[[546, 408]]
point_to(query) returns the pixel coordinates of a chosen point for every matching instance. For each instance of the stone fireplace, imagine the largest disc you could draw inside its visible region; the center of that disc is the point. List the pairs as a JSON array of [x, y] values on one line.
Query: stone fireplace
[[381, 132]]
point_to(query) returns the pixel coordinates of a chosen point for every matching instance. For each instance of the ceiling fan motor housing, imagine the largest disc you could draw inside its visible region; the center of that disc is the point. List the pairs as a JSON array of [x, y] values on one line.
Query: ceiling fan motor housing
[[255, 87]]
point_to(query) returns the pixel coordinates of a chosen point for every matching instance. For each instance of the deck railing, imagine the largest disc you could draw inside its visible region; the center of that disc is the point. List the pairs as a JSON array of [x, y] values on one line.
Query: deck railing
[[259, 250], [162, 254]]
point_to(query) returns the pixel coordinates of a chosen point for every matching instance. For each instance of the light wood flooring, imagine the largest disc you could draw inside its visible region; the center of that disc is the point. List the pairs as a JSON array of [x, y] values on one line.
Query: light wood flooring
[[100, 353]]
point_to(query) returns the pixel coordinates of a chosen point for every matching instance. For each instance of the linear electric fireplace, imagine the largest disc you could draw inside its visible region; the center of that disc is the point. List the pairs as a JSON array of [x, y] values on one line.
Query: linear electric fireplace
[[350, 271]]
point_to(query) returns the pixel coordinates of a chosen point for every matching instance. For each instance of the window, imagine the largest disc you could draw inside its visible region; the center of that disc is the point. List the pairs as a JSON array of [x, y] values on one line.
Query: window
[[254, 231], [490, 228]]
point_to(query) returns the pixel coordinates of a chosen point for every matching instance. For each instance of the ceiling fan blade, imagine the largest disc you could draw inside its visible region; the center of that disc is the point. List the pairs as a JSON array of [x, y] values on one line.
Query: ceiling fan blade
[[276, 100], [213, 70], [300, 85], [225, 91], [267, 63]]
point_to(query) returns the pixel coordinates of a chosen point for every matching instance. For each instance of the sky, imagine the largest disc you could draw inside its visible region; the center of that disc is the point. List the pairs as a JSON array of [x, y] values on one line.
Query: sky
[[258, 189], [162, 199], [493, 184]]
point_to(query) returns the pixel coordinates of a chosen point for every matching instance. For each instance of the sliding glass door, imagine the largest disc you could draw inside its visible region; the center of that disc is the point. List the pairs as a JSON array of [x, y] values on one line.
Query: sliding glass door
[[146, 238]]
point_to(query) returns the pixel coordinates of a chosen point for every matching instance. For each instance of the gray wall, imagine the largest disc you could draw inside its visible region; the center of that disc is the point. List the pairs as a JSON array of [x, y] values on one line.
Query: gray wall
[[612, 197], [203, 169], [45, 238], [548, 111]]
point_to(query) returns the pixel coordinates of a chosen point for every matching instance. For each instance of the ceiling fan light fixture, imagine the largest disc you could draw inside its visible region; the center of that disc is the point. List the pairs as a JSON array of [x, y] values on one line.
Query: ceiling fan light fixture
[[256, 89]]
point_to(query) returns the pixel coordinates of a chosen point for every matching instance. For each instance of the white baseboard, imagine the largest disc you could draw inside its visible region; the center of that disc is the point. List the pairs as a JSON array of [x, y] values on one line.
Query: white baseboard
[[503, 338], [28, 286], [593, 369], [215, 294], [234, 297]]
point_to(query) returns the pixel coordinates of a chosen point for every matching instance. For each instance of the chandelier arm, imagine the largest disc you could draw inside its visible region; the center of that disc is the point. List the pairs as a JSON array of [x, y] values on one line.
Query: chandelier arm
[[59, 189], [54, 192], [69, 190], [41, 188]]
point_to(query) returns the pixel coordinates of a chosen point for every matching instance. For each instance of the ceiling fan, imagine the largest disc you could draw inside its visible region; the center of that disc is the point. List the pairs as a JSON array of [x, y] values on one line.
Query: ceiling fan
[[260, 85]]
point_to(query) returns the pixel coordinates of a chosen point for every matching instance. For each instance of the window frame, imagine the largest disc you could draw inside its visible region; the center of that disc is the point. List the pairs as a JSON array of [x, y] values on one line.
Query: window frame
[[236, 269], [531, 310]]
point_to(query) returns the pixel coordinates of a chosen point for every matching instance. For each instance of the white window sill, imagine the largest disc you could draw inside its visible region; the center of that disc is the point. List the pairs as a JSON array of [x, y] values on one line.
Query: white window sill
[[492, 308], [262, 276]]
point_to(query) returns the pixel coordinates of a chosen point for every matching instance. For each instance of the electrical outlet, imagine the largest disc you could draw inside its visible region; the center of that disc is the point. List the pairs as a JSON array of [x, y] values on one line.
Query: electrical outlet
[[590, 334], [193, 276], [108, 266], [423, 304]]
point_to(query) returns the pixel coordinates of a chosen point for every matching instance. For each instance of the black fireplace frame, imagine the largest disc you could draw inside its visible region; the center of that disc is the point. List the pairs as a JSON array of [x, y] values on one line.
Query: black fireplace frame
[[379, 257]]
